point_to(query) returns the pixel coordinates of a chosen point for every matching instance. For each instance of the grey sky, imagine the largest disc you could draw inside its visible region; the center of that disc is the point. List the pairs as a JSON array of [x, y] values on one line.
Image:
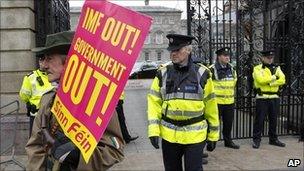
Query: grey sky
[[178, 4]]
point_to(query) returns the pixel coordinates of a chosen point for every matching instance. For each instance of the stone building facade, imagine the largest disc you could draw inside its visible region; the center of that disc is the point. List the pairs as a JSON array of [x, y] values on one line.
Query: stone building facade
[[165, 21], [24, 25], [17, 31]]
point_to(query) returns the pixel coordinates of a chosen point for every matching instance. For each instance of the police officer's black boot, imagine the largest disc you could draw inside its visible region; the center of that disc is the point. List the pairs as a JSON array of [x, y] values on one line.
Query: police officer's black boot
[[256, 144], [128, 140], [204, 161], [276, 142], [230, 144]]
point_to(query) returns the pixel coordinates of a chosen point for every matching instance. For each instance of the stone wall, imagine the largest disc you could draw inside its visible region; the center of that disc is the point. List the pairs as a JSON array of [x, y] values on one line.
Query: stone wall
[[17, 39]]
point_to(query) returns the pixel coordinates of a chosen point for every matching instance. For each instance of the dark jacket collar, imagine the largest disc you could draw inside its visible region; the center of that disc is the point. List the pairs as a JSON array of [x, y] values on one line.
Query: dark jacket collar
[[184, 68], [268, 65], [219, 66]]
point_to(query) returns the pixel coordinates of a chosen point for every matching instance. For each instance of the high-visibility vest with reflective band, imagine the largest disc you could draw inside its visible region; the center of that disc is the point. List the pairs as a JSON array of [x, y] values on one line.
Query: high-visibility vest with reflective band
[[266, 83], [122, 96], [181, 96], [224, 84], [31, 91]]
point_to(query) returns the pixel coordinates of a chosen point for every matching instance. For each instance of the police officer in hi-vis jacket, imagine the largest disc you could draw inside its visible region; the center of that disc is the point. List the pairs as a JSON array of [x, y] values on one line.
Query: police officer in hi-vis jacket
[[224, 78], [267, 81], [182, 110]]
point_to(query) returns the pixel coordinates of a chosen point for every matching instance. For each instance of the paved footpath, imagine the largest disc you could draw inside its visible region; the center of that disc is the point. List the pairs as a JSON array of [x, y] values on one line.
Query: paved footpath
[[140, 155]]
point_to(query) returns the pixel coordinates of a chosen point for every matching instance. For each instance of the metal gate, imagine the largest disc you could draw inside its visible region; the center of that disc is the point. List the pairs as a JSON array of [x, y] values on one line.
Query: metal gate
[[247, 27], [51, 16]]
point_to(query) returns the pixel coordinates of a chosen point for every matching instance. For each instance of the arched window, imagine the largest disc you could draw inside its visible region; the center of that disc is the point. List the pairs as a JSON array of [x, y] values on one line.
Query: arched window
[[148, 40], [159, 39]]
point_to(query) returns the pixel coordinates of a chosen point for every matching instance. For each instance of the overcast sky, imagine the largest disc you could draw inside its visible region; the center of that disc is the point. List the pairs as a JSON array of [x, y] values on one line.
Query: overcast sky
[[178, 4]]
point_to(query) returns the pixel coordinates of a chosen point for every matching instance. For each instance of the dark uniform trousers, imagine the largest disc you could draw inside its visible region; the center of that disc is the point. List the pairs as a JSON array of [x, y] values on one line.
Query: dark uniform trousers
[[227, 114], [31, 124], [264, 107], [122, 120], [173, 153]]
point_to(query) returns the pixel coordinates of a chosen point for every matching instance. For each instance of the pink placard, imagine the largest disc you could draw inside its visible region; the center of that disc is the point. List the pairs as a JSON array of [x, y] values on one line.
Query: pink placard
[[106, 44]]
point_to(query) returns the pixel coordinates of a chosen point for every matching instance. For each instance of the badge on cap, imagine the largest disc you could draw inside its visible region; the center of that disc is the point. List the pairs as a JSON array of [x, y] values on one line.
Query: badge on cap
[[267, 53], [223, 51], [177, 41]]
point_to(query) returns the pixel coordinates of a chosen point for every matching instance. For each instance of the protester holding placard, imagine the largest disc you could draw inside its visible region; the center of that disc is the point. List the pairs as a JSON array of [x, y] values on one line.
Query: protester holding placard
[[48, 145], [92, 74], [105, 47]]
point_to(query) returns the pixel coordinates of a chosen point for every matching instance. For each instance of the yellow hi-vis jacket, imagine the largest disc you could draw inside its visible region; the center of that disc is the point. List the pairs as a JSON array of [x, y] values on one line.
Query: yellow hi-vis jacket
[[122, 96], [31, 91], [180, 96], [266, 83], [224, 80]]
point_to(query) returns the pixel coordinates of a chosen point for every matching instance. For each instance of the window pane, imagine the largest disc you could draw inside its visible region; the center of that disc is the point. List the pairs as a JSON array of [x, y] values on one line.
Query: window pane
[[171, 20], [146, 56], [159, 56]]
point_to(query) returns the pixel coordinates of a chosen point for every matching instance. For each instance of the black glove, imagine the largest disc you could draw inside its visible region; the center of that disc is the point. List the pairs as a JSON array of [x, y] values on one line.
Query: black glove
[[211, 145], [28, 109], [64, 150], [154, 141]]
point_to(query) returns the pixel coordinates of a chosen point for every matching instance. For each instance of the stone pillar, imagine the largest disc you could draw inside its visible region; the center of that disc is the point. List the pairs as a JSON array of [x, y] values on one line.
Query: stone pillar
[[17, 39]]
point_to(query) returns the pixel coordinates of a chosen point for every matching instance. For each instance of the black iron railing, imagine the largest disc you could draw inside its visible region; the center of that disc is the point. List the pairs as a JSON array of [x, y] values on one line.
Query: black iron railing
[[247, 27]]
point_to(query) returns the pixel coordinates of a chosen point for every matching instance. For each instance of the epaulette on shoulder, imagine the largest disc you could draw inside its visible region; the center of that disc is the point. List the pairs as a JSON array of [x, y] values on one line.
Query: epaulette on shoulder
[[161, 69], [162, 66], [203, 66], [29, 74], [232, 66], [211, 66]]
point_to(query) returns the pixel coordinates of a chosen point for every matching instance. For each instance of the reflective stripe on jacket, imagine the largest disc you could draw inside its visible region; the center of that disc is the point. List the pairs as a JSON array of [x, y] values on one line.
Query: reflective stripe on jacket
[[224, 80], [266, 83], [31, 91], [182, 95]]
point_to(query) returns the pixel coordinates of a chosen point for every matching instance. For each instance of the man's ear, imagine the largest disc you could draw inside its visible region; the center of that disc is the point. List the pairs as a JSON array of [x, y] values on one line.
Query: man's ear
[[63, 58], [188, 50]]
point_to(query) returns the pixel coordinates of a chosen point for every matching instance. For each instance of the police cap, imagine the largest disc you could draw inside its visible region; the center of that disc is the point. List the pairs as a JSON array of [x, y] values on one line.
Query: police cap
[[267, 53], [223, 51], [177, 41]]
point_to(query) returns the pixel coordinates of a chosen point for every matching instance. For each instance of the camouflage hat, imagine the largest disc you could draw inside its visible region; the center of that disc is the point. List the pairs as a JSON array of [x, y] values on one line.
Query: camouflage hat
[[57, 42]]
